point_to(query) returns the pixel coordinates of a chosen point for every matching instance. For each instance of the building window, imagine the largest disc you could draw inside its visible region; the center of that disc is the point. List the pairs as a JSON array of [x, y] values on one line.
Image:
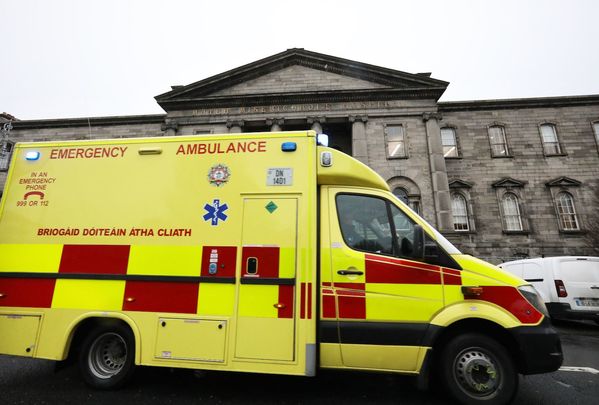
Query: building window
[[415, 205], [6, 148], [449, 142], [402, 195], [498, 141], [596, 130], [551, 144], [396, 141], [511, 212], [566, 212], [460, 212]]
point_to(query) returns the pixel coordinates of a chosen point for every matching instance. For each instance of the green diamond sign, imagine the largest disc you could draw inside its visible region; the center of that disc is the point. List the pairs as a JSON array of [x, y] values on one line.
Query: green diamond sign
[[271, 207]]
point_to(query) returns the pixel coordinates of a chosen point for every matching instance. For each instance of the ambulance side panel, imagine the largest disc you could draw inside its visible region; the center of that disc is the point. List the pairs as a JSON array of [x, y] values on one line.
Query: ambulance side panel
[[194, 242]]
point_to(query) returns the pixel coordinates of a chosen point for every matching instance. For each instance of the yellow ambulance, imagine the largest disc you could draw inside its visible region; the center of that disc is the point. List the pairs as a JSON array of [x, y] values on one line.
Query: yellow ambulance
[[264, 253]]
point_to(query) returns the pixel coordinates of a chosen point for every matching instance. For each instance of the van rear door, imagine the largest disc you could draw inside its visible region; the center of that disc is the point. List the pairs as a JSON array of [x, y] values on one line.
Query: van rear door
[[581, 279]]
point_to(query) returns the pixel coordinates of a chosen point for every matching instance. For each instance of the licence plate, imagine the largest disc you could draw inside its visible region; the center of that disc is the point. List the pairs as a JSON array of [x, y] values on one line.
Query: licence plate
[[587, 302]]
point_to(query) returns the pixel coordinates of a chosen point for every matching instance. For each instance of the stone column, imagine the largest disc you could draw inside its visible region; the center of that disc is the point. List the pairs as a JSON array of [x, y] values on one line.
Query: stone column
[[170, 128], [275, 124], [235, 126], [440, 184], [316, 124], [358, 137], [220, 128]]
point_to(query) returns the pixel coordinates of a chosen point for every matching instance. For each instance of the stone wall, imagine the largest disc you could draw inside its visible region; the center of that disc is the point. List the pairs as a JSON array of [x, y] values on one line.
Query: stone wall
[[399, 172], [528, 164]]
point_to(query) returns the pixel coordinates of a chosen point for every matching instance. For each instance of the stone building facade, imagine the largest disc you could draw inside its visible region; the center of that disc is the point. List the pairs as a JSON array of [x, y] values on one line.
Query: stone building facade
[[502, 179]]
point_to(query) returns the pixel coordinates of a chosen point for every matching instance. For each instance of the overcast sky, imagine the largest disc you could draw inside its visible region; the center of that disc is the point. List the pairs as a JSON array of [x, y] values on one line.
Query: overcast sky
[[64, 59]]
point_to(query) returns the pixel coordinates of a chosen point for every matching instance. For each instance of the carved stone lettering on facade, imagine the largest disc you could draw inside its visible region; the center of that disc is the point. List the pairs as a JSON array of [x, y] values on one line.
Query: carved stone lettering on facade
[[291, 108]]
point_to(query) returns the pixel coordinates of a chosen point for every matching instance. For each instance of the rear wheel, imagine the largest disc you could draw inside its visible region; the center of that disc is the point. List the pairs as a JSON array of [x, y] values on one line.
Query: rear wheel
[[107, 356], [476, 369]]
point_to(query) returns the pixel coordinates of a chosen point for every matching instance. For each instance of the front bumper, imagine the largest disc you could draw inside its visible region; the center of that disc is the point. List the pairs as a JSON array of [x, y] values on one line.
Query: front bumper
[[539, 347], [565, 311]]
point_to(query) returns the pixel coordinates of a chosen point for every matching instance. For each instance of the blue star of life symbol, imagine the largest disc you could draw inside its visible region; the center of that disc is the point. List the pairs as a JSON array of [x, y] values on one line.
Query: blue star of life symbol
[[215, 212]]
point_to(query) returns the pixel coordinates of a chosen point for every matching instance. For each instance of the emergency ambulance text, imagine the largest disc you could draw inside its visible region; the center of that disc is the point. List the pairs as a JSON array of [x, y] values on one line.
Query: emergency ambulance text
[[89, 153], [219, 148]]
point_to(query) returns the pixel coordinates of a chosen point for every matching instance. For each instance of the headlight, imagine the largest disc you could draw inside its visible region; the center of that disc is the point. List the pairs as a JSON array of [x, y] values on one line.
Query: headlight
[[533, 297]]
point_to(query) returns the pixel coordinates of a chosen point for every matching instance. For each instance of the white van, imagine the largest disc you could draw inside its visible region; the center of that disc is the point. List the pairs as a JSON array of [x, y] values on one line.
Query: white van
[[569, 285]]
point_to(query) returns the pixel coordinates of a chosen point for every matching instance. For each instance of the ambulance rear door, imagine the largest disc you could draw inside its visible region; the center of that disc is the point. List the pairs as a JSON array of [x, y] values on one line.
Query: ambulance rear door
[[267, 293]]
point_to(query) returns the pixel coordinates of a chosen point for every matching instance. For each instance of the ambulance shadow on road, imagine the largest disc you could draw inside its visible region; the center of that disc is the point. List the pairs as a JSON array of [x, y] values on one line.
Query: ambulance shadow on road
[[39, 381]]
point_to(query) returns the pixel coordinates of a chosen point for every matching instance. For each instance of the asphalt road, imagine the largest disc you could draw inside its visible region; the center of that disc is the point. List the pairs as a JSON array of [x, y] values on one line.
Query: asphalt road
[[26, 381]]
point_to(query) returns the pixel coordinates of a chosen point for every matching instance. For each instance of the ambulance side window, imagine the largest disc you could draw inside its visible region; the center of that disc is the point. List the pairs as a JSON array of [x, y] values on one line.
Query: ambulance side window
[[404, 231], [405, 235], [364, 223]]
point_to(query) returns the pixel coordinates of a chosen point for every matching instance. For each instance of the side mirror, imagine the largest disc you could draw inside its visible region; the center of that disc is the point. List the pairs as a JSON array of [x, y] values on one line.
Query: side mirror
[[418, 244]]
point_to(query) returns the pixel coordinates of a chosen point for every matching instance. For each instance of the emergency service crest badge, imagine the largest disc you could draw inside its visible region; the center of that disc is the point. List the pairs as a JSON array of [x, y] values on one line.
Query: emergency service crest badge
[[219, 174]]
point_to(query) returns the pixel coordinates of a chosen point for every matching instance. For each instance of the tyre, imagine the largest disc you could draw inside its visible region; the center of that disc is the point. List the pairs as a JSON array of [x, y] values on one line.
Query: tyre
[[476, 369], [107, 358]]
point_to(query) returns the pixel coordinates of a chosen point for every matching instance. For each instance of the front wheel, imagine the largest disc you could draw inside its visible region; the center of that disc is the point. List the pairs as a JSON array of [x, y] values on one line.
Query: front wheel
[[476, 369], [107, 357]]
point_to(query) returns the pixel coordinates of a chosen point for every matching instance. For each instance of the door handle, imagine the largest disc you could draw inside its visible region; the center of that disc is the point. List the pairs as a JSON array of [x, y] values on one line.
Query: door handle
[[594, 287], [350, 272]]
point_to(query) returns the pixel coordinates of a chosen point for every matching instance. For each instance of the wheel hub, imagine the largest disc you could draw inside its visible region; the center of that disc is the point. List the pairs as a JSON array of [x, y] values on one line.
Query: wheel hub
[[107, 355], [476, 372]]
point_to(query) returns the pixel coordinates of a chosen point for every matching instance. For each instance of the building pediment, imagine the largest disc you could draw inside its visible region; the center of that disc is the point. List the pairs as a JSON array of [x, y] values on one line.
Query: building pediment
[[297, 75], [297, 78], [508, 182], [459, 184], [563, 182]]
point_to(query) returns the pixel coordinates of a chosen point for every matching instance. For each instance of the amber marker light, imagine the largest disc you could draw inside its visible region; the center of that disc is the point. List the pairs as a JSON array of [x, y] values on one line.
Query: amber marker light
[[472, 291]]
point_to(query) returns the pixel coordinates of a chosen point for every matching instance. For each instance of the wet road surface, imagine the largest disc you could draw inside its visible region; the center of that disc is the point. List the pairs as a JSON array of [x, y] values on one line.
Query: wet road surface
[[26, 381]]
